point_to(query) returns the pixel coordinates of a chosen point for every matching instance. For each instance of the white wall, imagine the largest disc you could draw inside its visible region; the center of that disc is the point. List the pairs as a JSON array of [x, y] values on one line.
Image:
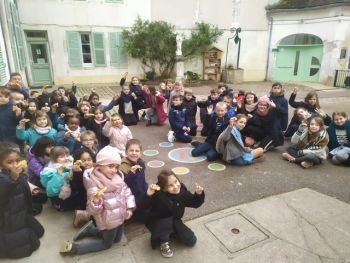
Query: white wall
[[332, 25], [59, 16]]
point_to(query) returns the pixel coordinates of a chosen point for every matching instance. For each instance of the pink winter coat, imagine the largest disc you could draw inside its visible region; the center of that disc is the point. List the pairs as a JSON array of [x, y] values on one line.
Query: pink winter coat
[[111, 212], [117, 137], [162, 116]]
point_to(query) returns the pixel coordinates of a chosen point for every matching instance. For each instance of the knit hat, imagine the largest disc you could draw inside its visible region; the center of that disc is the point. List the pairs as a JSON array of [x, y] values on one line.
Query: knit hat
[[264, 99], [108, 155]]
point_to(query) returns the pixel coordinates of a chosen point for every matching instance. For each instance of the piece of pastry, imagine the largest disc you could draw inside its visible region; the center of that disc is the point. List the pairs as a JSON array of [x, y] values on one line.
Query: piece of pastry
[[100, 192]]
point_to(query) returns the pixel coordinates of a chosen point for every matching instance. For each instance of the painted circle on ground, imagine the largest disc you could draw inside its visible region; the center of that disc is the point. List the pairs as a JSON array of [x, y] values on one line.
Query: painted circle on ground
[[166, 144], [150, 152], [216, 167], [180, 170], [183, 155], [155, 164]]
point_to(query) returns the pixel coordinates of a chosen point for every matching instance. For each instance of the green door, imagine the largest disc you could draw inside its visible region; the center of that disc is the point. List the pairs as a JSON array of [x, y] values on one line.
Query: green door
[[299, 63], [39, 62]]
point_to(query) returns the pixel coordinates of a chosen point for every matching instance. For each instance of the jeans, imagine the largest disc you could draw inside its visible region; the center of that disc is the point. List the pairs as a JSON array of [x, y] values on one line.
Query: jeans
[[207, 149], [309, 157], [108, 237]]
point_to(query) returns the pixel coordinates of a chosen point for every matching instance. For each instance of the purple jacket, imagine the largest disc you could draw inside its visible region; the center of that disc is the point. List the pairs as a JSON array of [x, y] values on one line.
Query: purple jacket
[[35, 166], [111, 213]]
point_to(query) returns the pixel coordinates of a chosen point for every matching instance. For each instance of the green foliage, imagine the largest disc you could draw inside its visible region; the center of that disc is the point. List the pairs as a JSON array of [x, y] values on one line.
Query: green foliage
[[154, 43], [190, 75]]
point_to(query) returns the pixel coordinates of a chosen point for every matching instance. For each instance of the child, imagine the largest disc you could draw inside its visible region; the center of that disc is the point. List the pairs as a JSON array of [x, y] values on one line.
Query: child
[[140, 100], [84, 111], [277, 96], [167, 207], [155, 110], [38, 157], [70, 136], [19, 230], [56, 179], [9, 116], [179, 121], [109, 208], [309, 145], [217, 125], [94, 100], [229, 100], [127, 109], [339, 138], [42, 126], [16, 84], [249, 103], [207, 108], [29, 113], [230, 143], [190, 104], [134, 168], [310, 103], [168, 89], [117, 133], [89, 143], [178, 90], [96, 125]]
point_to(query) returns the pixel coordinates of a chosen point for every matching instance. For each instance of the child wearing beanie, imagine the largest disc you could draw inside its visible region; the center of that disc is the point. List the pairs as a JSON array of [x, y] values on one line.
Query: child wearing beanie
[[109, 201]]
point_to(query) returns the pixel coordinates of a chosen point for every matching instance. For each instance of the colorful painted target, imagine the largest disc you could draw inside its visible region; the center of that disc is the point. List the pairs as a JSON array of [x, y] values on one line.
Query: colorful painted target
[[155, 164], [150, 152], [183, 155], [180, 170], [217, 167], [166, 144]]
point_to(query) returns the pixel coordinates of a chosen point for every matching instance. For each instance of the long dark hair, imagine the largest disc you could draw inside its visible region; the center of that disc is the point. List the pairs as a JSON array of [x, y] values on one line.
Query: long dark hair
[[163, 178], [41, 144]]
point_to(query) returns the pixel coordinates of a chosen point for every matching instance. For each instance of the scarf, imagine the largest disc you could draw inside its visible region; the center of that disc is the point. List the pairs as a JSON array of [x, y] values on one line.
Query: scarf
[[250, 107], [332, 133], [42, 130], [100, 122], [126, 97], [102, 181], [75, 134], [313, 140]]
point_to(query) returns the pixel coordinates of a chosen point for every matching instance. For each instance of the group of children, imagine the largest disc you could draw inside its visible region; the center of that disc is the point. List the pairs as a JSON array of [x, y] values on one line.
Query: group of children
[[82, 160]]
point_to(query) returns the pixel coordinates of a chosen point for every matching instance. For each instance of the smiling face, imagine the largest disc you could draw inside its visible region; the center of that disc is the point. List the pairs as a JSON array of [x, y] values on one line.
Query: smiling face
[[88, 141], [10, 162], [117, 122], [87, 160], [73, 123], [41, 121], [312, 101], [4, 99], [135, 81], [109, 170], [133, 153], [173, 186], [339, 120], [262, 106], [188, 96], [220, 111], [249, 99], [99, 115], [85, 108], [126, 90], [214, 96], [177, 101], [63, 159], [241, 123], [314, 126]]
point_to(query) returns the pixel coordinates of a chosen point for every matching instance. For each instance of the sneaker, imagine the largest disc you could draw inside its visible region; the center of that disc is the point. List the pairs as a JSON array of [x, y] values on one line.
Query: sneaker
[[80, 217], [66, 247], [165, 250], [83, 231], [171, 137]]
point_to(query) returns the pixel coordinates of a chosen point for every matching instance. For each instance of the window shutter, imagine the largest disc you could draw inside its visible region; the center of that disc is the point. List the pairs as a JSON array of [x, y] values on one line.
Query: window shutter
[[2, 69], [99, 52], [74, 49], [119, 57], [18, 35], [12, 35]]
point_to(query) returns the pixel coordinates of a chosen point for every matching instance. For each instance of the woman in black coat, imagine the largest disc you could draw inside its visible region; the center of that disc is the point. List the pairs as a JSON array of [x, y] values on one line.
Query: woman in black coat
[[19, 230]]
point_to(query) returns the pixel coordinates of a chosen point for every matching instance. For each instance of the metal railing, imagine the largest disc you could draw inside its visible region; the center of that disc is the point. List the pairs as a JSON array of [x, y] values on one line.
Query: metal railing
[[342, 78]]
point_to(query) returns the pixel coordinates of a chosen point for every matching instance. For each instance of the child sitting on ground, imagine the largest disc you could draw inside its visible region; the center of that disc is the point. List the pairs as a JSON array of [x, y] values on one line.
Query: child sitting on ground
[[154, 107], [189, 102], [167, 201], [110, 202], [230, 143]]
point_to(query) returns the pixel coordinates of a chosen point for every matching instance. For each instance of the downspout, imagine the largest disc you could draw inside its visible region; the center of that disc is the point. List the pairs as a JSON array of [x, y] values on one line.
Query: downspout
[[268, 48]]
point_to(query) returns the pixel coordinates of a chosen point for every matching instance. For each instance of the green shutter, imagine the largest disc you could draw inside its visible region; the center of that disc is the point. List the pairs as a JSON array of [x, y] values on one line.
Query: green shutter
[[18, 35], [2, 69], [118, 55], [99, 52], [75, 56], [12, 35]]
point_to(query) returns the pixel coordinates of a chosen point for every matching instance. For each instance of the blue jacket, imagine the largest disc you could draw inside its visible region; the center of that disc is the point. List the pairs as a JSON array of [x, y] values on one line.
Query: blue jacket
[[178, 118], [31, 135], [9, 121], [52, 181], [214, 130], [71, 143]]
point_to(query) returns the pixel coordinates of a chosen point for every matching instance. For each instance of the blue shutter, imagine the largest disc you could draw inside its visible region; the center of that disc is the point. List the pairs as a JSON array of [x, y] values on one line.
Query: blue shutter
[[118, 55], [18, 36], [75, 56], [3, 79], [98, 48], [12, 35]]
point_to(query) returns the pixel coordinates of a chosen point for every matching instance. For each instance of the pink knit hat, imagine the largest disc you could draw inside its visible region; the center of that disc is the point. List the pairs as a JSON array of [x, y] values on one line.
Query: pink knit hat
[[108, 155], [264, 99]]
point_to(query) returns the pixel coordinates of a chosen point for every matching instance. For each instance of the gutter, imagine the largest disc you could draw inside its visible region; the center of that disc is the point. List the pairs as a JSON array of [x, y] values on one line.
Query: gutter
[[281, 10]]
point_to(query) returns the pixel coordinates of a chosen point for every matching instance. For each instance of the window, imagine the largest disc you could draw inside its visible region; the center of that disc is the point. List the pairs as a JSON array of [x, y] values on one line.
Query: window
[[85, 49], [343, 52], [301, 39]]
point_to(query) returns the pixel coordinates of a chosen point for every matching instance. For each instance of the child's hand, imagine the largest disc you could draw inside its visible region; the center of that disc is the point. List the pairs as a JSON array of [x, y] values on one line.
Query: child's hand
[[116, 96], [295, 90], [125, 74], [199, 189], [62, 116], [97, 200], [67, 135], [76, 167], [152, 188], [22, 123], [210, 109], [272, 104], [136, 168], [17, 110], [250, 116], [128, 213], [134, 95], [321, 112]]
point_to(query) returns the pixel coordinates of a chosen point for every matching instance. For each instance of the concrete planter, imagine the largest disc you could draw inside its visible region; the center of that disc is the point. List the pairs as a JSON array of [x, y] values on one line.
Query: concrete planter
[[234, 76]]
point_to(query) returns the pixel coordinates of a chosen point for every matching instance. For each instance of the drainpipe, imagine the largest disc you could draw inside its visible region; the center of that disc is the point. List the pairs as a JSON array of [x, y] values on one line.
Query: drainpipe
[[268, 49]]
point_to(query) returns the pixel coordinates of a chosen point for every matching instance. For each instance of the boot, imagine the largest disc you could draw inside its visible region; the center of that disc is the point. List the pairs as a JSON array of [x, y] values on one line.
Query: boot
[[80, 217]]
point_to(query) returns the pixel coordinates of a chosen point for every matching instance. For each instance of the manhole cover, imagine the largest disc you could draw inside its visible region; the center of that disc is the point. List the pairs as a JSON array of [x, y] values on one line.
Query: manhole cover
[[228, 231]]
